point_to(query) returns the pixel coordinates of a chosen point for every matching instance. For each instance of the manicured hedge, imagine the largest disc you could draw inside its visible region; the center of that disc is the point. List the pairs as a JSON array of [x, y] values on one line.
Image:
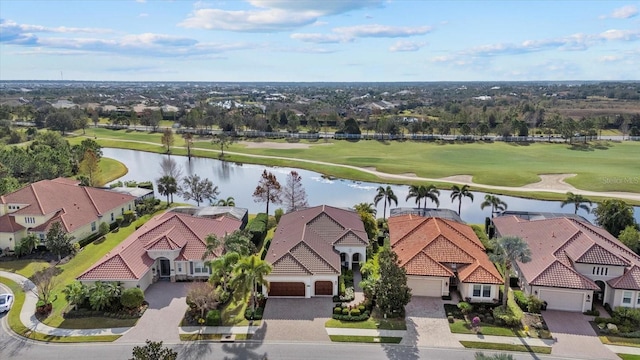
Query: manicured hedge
[[258, 228], [213, 318]]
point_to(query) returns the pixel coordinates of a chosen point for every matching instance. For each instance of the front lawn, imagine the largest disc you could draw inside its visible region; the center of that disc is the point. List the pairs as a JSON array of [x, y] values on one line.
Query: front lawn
[[462, 327], [628, 357], [506, 347], [373, 322], [366, 339], [26, 267], [618, 340]]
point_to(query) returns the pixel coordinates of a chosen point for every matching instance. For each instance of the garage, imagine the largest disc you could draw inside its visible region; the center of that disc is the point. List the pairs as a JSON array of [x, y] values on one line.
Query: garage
[[562, 300], [286, 289], [423, 286], [323, 288]]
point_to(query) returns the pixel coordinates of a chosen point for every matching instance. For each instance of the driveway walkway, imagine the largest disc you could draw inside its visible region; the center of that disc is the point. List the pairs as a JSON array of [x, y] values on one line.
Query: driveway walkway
[[427, 324], [295, 319], [575, 337], [167, 305]]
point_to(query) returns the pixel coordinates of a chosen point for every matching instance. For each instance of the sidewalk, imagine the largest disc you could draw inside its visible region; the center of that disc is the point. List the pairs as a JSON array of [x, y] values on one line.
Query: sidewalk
[[366, 332]]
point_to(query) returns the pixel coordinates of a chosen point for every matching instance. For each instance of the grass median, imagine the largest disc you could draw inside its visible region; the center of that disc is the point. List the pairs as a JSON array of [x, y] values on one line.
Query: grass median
[[506, 347]]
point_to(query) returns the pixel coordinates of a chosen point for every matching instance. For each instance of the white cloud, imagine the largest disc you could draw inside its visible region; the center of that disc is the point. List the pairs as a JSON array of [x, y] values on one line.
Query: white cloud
[[141, 1], [270, 15], [11, 26], [624, 12], [627, 35], [610, 58], [350, 33], [143, 15], [407, 46]]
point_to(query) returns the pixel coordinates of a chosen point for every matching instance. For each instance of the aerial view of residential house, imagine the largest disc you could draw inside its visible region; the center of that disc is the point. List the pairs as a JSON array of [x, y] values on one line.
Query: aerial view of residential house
[[573, 263], [440, 255], [80, 210], [309, 249], [168, 247]]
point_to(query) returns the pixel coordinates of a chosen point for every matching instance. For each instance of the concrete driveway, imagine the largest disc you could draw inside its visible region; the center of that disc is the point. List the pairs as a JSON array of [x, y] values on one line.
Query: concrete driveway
[[427, 324], [295, 319], [167, 305], [575, 337]]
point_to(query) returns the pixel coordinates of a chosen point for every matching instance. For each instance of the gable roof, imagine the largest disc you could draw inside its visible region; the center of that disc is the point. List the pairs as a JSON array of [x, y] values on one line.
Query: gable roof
[[425, 245], [556, 244], [168, 231], [630, 280], [8, 224], [304, 241], [79, 205]]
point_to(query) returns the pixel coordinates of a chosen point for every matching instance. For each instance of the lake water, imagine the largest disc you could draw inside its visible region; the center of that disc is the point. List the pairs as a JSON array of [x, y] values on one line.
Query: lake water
[[240, 180]]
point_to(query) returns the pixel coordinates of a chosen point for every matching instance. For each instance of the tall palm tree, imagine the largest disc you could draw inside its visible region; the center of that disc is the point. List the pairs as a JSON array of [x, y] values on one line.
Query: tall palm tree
[[367, 208], [507, 250], [230, 201], [579, 201], [495, 203], [249, 273], [212, 244], [388, 196], [415, 191], [222, 269], [430, 192], [459, 192], [167, 185]]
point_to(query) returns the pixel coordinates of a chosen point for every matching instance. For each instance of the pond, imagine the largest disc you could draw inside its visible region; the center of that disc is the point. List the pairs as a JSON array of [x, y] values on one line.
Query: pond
[[240, 180]]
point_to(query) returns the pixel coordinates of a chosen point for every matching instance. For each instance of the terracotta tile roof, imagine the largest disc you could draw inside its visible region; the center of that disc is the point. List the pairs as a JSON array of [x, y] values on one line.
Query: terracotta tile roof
[[308, 236], [428, 246], [80, 205], [168, 231], [8, 224], [630, 280], [564, 241]]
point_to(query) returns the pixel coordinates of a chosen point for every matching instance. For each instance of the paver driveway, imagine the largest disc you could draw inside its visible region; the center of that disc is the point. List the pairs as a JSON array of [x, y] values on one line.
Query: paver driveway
[[295, 319], [575, 337], [167, 305], [427, 324]]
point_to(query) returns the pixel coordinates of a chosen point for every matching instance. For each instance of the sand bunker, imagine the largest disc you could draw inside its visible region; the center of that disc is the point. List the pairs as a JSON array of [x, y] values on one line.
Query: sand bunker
[[459, 178], [552, 182]]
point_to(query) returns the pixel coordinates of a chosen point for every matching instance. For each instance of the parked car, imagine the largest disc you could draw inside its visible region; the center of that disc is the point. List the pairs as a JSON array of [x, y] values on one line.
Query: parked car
[[6, 300]]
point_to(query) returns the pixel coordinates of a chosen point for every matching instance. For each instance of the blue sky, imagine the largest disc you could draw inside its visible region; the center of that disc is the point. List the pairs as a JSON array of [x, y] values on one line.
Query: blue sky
[[319, 40]]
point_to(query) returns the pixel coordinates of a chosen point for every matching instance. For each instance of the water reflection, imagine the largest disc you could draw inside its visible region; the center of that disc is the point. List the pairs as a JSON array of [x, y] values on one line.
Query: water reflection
[[239, 181]]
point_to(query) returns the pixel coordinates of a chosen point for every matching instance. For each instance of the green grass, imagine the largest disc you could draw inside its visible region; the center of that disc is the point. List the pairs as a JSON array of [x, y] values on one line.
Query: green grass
[[90, 323], [110, 169], [460, 327], [506, 347], [628, 357], [499, 163], [25, 268], [366, 339], [371, 323], [618, 340], [196, 337]]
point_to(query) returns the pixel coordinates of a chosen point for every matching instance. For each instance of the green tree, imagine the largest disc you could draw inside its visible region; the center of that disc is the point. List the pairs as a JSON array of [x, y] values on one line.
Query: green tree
[[198, 189], [249, 273], [76, 293], [153, 351], [102, 295], [222, 269], [630, 236], [239, 241], [29, 243], [495, 203], [387, 195], [223, 141], [614, 216], [167, 139], [58, 241], [167, 186], [368, 216], [90, 167], [132, 298], [392, 292], [508, 250], [460, 192], [212, 246], [268, 190], [579, 201]]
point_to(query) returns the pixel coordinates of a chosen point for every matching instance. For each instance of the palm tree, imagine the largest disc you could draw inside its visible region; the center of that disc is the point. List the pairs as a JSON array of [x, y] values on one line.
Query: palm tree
[[29, 243], [367, 208], [388, 196], [415, 191], [430, 192], [495, 203], [508, 250], [167, 185], [249, 273], [579, 201], [212, 244], [458, 193], [230, 201], [222, 269]]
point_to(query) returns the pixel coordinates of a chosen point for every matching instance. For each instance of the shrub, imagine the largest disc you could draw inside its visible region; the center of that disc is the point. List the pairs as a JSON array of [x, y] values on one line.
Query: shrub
[[349, 295], [465, 307], [119, 221], [362, 308], [521, 299], [337, 310], [341, 286], [132, 298], [593, 312], [534, 304], [450, 319], [128, 216], [278, 214], [213, 318], [489, 319], [355, 312], [103, 229], [345, 311], [257, 228]]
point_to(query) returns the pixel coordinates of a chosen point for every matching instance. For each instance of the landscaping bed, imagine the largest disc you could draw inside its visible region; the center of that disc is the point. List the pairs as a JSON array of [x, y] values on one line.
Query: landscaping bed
[[623, 328]]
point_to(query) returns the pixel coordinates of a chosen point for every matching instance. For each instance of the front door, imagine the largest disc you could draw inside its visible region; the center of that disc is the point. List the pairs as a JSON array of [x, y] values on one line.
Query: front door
[[165, 268]]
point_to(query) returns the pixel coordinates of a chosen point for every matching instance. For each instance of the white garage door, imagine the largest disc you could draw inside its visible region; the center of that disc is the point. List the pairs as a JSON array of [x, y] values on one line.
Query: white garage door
[[424, 286], [562, 300]]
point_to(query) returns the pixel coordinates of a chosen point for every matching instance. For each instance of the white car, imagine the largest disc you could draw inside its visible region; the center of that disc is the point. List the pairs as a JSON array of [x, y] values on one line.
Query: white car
[[6, 300]]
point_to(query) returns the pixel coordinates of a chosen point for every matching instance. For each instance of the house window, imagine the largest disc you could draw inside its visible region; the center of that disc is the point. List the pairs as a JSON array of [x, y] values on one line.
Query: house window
[[606, 271], [638, 301], [626, 297], [93, 226], [112, 219], [129, 207], [200, 268], [481, 290], [30, 220], [122, 211], [179, 264]]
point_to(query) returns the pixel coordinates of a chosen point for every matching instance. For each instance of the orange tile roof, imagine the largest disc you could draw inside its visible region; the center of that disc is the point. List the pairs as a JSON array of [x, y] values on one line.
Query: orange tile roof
[[557, 243], [80, 205], [427, 245], [168, 231], [8, 224], [629, 281], [304, 240]]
